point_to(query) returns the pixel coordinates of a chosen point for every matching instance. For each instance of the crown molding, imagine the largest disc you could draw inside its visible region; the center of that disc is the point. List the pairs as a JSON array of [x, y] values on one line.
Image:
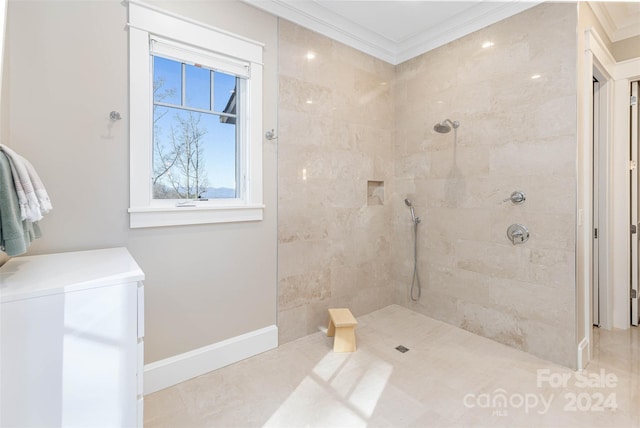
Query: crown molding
[[604, 18], [321, 20], [313, 16], [615, 31]]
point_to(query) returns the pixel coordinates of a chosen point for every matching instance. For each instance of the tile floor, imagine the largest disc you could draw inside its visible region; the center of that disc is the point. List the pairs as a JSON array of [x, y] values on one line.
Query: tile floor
[[449, 377]]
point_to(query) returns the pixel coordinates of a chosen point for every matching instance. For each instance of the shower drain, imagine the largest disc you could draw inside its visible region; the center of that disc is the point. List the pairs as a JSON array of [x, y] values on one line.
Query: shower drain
[[402, 349]]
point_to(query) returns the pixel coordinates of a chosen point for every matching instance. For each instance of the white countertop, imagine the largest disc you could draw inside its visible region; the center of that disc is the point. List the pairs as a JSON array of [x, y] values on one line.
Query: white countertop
[[34, 276]]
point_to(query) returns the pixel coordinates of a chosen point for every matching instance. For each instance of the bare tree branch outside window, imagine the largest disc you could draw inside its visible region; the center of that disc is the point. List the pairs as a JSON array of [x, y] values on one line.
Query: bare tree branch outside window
[[179, 167]]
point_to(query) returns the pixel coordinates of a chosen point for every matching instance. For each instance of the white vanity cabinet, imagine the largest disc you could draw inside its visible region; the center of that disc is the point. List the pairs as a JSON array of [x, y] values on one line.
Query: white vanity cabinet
[[71, 349]]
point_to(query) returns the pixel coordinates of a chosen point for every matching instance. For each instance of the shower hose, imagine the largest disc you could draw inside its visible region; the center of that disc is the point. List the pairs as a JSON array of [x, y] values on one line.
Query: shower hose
[[415, 281]]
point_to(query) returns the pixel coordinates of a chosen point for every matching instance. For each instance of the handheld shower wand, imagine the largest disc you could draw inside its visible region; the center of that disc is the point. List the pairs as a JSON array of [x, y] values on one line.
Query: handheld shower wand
[[415, 280], [415, 219]]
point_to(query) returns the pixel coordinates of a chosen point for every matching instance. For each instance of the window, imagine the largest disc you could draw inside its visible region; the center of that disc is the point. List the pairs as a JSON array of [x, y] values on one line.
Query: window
[[195, 139]]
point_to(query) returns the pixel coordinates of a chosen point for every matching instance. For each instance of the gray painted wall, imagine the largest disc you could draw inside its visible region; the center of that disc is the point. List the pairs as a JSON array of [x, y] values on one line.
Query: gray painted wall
[[67, 69]]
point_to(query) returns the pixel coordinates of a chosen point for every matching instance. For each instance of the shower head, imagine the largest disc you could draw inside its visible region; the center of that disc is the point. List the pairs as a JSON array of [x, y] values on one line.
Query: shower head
[[443, 127], [415, 219]]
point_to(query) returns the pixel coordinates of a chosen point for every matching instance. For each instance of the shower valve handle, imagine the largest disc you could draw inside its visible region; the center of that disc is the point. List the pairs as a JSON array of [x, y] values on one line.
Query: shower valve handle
[[518, 234], [516, 197]]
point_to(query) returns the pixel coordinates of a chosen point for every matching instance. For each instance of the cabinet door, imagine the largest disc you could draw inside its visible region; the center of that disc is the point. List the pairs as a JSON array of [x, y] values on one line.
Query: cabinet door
[[31, 361], [70, 359]]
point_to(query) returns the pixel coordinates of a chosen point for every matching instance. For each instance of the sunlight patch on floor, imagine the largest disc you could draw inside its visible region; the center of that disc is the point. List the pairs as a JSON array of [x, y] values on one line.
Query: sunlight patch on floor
[[341, 390]]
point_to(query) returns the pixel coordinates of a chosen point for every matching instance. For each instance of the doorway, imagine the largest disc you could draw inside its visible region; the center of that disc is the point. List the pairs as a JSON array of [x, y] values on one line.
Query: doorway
[[601, 302], [611, 192]]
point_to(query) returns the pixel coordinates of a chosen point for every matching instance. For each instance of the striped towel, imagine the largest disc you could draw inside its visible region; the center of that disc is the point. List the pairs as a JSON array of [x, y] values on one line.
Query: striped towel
[[32, 196]]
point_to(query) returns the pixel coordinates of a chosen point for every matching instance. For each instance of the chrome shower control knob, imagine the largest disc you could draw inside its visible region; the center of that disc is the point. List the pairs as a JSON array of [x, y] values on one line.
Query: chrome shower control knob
[[516, 197], [518, 234]]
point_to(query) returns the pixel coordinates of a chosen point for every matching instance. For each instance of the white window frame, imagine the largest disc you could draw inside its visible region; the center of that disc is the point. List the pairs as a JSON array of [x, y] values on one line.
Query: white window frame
[[145, 23]]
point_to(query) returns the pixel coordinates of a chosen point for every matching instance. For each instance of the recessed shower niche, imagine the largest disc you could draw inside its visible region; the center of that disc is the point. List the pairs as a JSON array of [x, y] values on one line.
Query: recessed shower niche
[[375, 192]]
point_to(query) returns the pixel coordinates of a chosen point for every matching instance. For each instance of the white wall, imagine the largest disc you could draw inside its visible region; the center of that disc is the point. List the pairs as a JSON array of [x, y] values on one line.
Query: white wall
[[67, 70], [3, 16], [4, 82]]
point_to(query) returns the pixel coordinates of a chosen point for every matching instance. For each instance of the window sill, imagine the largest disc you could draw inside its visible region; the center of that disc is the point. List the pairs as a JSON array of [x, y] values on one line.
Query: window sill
[[179, 216]]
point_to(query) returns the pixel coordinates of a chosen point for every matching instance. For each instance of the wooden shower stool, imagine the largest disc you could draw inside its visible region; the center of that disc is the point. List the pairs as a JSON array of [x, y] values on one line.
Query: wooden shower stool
[[342, 325]]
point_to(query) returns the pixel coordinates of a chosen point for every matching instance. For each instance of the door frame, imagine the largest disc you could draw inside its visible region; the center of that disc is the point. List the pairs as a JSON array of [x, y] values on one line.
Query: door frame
[[599, 198], [633, 216], [598, 63], [633, 143]]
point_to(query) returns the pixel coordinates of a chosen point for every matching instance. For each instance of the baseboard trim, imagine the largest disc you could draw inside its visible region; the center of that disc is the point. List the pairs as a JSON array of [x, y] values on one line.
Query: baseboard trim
[[171, 371], [583, 354]]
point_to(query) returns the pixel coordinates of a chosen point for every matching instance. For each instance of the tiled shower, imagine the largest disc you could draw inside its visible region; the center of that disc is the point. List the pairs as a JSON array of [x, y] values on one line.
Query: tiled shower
[[348, 120]]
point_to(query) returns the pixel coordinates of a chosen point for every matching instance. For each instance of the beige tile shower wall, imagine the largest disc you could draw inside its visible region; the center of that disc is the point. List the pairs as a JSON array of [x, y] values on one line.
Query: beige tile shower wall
[[335, 115], [517, 132]]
